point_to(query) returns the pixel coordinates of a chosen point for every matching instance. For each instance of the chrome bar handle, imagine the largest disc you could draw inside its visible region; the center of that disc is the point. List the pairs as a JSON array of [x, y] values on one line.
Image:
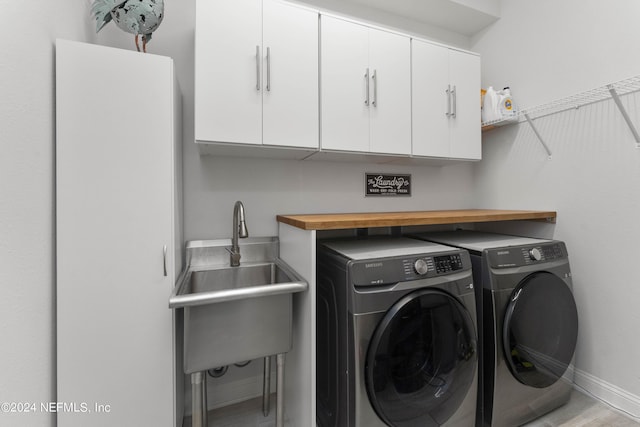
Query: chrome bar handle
[[454, 102], [257, 67], [448, 92], [268, 69], [375, 88], [366, 79], [164, 260]]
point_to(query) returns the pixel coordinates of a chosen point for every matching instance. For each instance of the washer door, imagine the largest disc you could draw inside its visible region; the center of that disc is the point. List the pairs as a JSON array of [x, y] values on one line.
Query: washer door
[[540, 329], [421, 360]]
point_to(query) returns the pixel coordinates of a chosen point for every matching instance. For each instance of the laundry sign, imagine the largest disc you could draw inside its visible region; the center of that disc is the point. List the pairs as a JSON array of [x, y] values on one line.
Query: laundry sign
[[380, 184]]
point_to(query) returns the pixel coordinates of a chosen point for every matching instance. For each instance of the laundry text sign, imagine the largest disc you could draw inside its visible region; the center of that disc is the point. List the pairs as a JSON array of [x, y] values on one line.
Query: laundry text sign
[[378, 184]]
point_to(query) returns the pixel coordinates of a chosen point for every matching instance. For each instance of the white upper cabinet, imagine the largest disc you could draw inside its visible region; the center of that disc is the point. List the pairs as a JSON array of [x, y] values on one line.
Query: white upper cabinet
[[390, 106], [466, 138], [445, 102], [430, 101], [256, 73], [227, 71], [365, 89], [263, 78], [290, 76], [344, 86]]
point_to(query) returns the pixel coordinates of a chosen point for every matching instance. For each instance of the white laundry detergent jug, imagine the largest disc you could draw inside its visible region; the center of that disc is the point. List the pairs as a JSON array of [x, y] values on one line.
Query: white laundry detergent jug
[[490, 106]]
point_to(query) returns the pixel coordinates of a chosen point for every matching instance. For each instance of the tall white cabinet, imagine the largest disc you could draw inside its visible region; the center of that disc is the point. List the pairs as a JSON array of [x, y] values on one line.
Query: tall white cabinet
[[256, 73], [365, 88], [445, 102], [118, 236]]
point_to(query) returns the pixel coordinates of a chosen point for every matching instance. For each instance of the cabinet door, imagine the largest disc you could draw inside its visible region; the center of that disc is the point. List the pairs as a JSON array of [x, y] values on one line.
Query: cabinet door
[[466, 136], [114, 215], [390, 92], [344, 83], [430, 79], [290, 76], [228, 67]]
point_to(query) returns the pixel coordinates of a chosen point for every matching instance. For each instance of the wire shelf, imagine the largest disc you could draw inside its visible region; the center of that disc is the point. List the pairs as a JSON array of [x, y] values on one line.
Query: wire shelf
[[603, 93]]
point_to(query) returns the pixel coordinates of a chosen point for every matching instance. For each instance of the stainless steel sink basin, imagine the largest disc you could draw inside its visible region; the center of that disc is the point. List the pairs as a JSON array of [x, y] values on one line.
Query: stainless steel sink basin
[[252, 280], [232, 314]]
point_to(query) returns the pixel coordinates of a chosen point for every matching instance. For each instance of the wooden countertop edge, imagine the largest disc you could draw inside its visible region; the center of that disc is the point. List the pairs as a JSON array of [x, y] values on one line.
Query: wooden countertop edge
[[394, 219]]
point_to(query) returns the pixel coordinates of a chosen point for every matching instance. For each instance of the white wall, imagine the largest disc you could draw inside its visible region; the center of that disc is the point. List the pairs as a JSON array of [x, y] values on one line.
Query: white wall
[[405, 23], [542, 50], [545, 50], [27, 258], [271, 187], [491, 7], [27, 187]]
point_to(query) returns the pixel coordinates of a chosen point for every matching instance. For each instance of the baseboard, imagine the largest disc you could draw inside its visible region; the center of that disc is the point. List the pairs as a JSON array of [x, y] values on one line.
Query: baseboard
[[608, 393]]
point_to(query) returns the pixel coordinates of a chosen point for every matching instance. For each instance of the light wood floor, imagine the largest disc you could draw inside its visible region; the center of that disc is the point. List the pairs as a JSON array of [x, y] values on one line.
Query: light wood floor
[[581, 411], [243, 414], [584, 411]]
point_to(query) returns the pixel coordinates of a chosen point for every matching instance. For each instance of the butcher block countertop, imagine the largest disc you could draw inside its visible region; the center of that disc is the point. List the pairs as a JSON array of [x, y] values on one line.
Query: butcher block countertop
[[394, 219]]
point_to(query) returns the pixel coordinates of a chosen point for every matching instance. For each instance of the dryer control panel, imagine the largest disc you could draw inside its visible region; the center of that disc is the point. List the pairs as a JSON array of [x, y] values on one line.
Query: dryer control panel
[[518, 256], [401, 269]]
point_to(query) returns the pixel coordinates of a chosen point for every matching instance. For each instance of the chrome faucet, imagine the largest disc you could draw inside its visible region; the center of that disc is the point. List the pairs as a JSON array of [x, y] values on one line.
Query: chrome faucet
[[239, 231]]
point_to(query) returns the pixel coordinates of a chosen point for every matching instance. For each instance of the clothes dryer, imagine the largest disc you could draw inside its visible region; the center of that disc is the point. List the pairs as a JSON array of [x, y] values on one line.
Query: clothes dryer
[[396, 334], [529, 323]]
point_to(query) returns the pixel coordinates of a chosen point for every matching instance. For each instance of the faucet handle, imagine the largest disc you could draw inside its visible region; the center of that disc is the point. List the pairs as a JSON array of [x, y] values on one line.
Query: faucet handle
[[234, 259]]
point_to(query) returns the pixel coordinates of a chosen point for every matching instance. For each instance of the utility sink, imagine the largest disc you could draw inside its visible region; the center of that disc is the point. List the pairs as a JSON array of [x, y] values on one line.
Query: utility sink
[[233, 314]]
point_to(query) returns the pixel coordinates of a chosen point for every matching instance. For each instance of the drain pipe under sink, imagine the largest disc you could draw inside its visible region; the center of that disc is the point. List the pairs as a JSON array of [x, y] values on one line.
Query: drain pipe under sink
[[199, 416]]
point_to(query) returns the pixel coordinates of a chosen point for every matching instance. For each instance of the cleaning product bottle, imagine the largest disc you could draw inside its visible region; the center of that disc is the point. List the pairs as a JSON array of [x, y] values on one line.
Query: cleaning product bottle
[[506, 108], [490, 106]]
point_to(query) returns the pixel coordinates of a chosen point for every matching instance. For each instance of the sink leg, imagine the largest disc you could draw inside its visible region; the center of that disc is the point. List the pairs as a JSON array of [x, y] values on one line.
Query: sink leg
[[203, 388], [198, 399], [280, 390], [266, 386]]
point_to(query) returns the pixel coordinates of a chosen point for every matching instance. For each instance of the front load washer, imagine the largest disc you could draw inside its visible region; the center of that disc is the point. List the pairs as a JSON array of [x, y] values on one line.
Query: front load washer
[[529, 324], [396, 334]]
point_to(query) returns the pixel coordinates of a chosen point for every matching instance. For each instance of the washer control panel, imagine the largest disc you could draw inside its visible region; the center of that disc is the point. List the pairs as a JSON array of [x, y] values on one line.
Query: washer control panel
[[527, 255], [439, 264], [414, 268], [448, 263], [402, 269]]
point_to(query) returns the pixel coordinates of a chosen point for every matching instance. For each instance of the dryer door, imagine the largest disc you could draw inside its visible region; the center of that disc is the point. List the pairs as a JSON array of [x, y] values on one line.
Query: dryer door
[[421, 360], [540, 329]]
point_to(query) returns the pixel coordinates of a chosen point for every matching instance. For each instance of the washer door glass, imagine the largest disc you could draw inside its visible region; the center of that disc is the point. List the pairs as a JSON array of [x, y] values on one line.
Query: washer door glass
[[421, 360], [540, 330]]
